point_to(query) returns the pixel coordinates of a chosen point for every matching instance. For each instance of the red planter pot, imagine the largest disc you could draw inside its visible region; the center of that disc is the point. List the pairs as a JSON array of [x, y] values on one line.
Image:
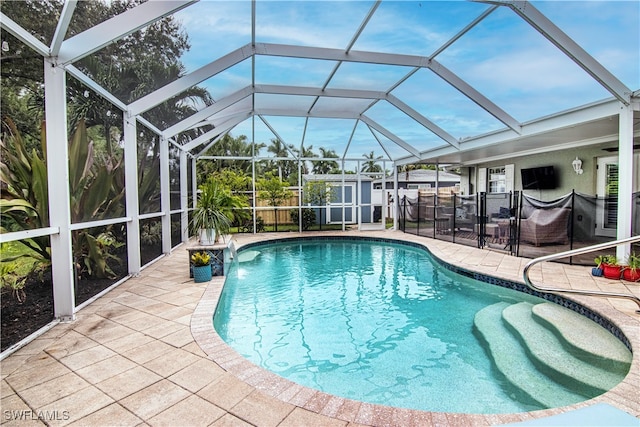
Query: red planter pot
[[612, 271], [631, 275]]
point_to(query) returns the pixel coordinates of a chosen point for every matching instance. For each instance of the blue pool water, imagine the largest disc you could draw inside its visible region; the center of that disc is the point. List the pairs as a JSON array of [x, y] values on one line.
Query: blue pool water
[[370, 321]]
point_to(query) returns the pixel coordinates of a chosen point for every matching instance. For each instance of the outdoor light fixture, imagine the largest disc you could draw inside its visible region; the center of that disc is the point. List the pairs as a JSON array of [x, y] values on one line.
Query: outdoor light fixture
[[577, 166], [5, 46]]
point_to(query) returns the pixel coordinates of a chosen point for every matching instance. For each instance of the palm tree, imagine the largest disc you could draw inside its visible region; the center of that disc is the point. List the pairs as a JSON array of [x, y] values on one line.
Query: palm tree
[[280, 149], [371, 164], [325, 166]]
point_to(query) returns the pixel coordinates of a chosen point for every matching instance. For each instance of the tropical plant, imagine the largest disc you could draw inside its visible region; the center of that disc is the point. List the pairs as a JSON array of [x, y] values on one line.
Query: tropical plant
[[216, 209], [633, 261], [200, 258], [11, 281], [274, 191], [96, 190], [600, 260], [322, 167], [371, 165], [23, 176]]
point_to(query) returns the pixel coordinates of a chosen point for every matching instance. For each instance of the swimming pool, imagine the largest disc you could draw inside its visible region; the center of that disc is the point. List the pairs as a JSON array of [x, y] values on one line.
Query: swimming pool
[[371, 321]]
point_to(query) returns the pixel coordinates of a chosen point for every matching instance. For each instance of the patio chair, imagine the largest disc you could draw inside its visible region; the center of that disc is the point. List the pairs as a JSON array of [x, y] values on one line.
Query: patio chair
[[546, 226]]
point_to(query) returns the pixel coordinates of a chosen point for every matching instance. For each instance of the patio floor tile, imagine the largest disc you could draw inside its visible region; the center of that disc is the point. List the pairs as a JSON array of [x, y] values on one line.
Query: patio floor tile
[[262, 410], [197, 375], [113, 415], [53, 390], [192, 411], [226, 392], [154, 399], [87, 357], [106, 369], [128, 382], [171, 362], [76, 405]]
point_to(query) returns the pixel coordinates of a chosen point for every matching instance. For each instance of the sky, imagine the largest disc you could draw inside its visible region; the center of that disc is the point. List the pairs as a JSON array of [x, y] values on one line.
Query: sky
[[502, 57]]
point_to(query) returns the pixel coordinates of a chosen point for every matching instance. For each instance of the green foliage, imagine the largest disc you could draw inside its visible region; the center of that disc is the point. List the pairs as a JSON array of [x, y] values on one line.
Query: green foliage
[[200, 259], [11, 281], [24, 202], [96, 190], [609, 260], [93, 254], [316, 193], [217, 207], [308, 217], [151, 233], [371, 165], [274, 191], [600, 260], [326, 166], [633, 261]]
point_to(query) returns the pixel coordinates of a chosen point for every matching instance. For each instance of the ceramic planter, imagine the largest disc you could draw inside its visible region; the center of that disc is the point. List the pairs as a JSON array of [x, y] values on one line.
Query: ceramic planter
[[208, 237], [631, 275], [596, 271], [612, 271], [201, 273]]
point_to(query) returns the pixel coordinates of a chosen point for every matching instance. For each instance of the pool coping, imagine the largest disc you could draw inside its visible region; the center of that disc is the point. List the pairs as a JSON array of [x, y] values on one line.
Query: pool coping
[[374, 414]]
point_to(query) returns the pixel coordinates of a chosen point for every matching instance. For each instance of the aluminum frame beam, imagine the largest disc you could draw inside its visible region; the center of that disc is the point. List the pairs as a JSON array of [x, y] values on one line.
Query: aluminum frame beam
[[577, 54], [63, 26], [98, 36]]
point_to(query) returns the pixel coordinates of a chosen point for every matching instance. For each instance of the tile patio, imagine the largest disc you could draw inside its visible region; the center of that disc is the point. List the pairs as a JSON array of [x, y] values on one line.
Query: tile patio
[[146, 353]]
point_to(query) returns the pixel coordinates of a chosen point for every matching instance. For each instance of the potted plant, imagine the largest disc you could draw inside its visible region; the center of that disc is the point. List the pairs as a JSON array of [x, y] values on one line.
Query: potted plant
[[597, 270], [611, 269], [632, 270], [201, 267], [213, 213]]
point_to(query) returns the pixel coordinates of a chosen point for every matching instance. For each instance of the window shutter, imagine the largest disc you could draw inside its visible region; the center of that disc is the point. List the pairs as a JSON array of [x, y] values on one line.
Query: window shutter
[[509, 172], [482, 180]]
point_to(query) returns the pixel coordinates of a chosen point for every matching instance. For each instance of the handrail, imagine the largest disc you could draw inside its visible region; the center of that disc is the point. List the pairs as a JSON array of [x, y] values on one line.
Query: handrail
[[580, 251]]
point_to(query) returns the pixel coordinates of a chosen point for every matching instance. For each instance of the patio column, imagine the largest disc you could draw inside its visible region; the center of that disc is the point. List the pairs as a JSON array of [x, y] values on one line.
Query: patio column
[[131, 193], [165, 196], [58, 183], [625, 178], [184, 194]]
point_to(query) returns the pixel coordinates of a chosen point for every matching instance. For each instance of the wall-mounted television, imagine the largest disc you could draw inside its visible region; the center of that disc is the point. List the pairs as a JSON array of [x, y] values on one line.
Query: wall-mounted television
[[540, 178]]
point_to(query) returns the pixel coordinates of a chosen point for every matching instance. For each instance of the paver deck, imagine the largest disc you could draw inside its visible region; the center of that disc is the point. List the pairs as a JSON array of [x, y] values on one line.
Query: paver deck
[[146, 353]]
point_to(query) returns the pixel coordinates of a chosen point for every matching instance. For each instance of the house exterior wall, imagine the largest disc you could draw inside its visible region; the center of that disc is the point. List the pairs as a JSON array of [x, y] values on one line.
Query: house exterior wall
[[561, 161]]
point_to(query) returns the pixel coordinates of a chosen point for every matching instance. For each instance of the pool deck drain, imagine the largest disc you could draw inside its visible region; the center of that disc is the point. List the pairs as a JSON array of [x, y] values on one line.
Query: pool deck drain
[[146, 353]]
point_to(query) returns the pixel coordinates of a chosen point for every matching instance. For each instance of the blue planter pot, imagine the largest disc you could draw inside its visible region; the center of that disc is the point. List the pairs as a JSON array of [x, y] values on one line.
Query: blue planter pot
[[201, 273], [595, 271]]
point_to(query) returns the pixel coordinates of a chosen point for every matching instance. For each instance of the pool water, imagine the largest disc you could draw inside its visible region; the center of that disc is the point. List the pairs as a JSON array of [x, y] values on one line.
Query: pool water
[[370, 321]]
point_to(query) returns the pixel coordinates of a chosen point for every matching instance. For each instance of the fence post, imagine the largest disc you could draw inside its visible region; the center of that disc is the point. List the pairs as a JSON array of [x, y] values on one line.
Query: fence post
[[572, 222], [483, 213]]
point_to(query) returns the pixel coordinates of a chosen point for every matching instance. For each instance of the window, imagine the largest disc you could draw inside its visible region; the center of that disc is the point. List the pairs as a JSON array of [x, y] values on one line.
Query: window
[[418, 186], [497, 180]]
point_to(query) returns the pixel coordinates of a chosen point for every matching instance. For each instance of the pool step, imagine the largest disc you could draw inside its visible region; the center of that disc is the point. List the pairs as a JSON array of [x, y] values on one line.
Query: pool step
[[584, 340], [531, 344], [549, 353], [512, 360]]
